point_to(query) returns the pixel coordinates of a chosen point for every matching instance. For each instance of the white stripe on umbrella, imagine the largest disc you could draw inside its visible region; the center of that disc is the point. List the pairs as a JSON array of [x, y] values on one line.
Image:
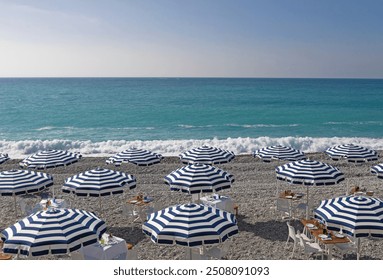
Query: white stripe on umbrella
[[358, 216], [279, 152], [99, 182], [58, 231], [136, 156], [377, 170], [309, 173], [352, 153], [190, 225], [207, 155], [3, 158], [50, 159], [199, 178]]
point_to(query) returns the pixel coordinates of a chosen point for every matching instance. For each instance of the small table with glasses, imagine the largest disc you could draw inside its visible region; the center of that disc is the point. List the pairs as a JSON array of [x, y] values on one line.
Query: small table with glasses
[[219, 201], [316, 229], [109, 248]]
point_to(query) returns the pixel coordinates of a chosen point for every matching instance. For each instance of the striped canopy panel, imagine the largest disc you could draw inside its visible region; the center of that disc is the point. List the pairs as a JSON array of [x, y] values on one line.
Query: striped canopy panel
[[358, 216], [190, 225], [99, 182], [279, 152], [56, 231], [199, 178], [352, 153], [207, 155], [50, 159], [136, 156], [309, 172], [17, 182]]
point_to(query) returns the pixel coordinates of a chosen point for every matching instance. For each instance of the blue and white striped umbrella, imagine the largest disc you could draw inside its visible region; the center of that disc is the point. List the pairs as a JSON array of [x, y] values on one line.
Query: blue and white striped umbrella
[[18, 182], [3, 158], [352, 153], [199, 178], [99, 182], [207, 155], [357, 216], [136, 156], [50, 159], [309, 173], [56, 231], [279, 152], [190, 225], [378, 170]]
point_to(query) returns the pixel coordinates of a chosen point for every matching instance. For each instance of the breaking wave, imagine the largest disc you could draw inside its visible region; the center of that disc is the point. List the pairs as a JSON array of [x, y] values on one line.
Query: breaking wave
[[20, 149]]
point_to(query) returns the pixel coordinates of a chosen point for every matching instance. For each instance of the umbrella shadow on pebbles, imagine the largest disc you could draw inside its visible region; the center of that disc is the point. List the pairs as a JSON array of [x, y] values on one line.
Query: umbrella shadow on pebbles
[[270, 230], [130, 235]]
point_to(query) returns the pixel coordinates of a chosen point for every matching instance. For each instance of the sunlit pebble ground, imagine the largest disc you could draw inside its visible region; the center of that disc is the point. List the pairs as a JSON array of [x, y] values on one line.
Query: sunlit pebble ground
[[262, 232]]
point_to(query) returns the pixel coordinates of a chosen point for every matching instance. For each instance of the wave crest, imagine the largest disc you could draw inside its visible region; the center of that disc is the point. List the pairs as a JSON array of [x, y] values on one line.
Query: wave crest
[[21, 149]]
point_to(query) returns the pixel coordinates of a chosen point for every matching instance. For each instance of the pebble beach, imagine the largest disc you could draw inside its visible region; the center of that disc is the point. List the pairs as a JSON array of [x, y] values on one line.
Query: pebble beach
[[262, 232]]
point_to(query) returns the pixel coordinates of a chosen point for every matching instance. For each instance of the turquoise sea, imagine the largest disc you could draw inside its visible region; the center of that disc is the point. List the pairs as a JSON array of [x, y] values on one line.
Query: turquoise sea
[[105, 115]]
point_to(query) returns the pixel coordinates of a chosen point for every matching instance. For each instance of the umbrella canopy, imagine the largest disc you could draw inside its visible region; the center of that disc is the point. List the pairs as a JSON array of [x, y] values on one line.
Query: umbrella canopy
[[190, 225], [99, 182], [357, 216], [50, 159], [3, 158], [136, 156], [352, 153], [280, 153], [378, 170], [309, 173], [207, 155], [58, 231], [198, 178], [18, 182]]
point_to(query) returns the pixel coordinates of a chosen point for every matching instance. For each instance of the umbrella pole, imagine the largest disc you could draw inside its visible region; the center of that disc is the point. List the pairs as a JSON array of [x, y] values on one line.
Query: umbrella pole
[[188, 253], [14, 198], [358, 248], [99, 201], [307, 202]]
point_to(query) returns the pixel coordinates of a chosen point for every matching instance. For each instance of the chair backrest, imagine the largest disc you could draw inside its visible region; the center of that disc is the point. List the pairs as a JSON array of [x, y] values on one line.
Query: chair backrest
[[302, 242], [127, 209], [292, 232], [26, 207], [283, 205]]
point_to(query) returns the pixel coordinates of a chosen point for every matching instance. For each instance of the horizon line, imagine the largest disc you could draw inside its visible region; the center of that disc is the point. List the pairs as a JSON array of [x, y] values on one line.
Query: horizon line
[[183, 77]]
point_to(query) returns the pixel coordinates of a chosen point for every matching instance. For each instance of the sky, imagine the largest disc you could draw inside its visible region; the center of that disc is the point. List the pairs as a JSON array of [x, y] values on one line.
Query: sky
[[192, 38]]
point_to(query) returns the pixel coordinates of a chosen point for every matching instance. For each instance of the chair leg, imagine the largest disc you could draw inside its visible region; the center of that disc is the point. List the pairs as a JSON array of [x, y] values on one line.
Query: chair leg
[[292, 254]]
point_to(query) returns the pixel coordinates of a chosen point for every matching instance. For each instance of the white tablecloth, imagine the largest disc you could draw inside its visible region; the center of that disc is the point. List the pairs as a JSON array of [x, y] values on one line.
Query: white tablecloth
[[55, 203], [115, 250], [223, 202]]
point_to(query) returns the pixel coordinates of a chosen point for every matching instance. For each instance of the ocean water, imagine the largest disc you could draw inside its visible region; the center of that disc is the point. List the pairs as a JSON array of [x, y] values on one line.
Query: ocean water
[[101, 116]]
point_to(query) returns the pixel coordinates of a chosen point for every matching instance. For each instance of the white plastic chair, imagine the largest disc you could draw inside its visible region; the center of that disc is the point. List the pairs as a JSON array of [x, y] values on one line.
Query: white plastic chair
[[216, 252], [27, 207], [310, 248], [283, 206]]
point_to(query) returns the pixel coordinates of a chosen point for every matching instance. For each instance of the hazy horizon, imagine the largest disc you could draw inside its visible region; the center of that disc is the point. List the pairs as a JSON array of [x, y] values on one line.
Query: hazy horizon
[[213, 38]]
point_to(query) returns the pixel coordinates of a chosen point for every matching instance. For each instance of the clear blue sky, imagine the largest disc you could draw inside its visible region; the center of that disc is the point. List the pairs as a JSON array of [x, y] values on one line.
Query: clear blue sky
[[194, 38]]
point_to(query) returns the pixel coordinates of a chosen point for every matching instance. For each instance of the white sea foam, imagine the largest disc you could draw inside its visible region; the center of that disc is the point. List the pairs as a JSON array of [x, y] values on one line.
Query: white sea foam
[[20, 149], [261, 125]]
